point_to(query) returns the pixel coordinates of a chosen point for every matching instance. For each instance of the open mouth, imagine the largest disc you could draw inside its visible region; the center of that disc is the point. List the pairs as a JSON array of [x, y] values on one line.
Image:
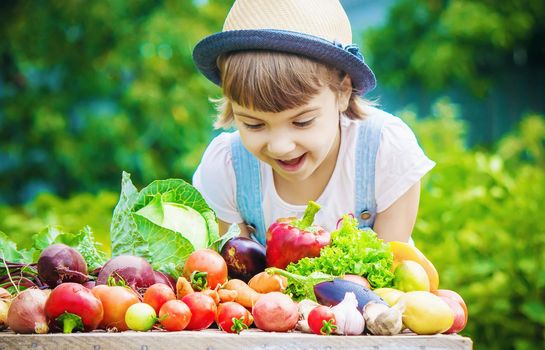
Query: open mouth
[[292, 164]]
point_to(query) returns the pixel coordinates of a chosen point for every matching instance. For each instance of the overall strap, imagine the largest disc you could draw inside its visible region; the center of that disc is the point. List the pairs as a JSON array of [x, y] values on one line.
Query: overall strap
[[369, 132], [248, 191]]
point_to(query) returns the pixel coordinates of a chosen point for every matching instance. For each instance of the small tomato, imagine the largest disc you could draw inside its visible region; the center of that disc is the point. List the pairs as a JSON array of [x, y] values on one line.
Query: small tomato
[[233, 317], [203, 310], [115, 301], [205, 268], [158, 294], [174, 315], [140, 317], [321, 320]]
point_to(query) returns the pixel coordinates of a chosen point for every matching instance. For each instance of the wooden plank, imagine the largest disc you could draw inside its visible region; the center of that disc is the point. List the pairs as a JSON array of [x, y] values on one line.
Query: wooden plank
[[217, 340]]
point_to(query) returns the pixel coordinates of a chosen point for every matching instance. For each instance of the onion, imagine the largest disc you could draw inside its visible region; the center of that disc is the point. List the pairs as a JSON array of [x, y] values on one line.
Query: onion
[[3, 314], [26, 313], [4, 295], [60, 263]]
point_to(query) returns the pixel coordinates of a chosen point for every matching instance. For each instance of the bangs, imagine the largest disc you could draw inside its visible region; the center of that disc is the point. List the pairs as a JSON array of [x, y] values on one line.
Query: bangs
[[272, 81]]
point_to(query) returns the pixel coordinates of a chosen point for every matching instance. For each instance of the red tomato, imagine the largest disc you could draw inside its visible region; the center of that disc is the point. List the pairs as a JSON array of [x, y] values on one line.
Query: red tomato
[[321, 320], [233, 317], [174, 315], [158, 294], [115, 301], [203, 310], [209, 262], [75, 299]]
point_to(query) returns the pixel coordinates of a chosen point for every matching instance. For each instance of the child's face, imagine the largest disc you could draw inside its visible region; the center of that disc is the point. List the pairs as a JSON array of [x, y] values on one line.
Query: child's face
[[293, 142]]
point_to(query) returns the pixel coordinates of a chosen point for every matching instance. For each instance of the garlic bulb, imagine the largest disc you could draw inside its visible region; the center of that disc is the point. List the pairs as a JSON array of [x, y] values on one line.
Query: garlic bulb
[[382, 319], [349, 320], [304, 307]]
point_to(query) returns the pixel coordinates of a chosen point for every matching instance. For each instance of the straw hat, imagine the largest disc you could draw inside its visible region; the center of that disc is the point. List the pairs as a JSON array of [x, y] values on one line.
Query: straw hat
[[318, 29]]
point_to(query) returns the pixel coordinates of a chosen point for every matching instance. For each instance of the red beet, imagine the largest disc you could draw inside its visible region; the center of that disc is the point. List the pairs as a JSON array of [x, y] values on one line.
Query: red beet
[[165, 278], [60, 263], [135, 271]]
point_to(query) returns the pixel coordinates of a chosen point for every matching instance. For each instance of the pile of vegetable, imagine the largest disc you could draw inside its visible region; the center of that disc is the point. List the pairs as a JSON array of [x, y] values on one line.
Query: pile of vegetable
[[171, 271]]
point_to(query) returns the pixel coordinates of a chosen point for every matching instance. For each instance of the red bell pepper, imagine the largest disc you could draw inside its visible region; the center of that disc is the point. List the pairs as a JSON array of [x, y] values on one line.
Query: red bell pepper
[[291, 239]]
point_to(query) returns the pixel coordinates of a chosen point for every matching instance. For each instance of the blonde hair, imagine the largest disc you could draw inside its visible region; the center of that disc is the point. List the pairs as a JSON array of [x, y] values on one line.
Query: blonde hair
[[270, 81]]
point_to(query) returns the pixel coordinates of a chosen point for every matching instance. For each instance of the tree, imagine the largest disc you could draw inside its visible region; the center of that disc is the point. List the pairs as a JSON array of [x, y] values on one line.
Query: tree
[[438, 43], [89, 89]]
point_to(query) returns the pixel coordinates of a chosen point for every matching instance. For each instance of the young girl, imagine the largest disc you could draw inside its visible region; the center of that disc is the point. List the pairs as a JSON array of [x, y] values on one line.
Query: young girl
[[292, 83]]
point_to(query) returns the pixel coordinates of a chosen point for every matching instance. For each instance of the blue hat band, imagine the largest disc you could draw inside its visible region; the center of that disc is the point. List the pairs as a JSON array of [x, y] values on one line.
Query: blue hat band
[[346, 58]]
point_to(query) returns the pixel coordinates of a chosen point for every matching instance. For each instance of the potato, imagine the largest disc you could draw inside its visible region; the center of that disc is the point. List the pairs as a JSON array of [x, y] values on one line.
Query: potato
[[275, 312]]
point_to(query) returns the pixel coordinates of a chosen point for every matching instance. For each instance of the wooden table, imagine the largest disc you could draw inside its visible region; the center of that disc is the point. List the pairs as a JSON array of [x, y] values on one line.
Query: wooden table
[[216, 340]]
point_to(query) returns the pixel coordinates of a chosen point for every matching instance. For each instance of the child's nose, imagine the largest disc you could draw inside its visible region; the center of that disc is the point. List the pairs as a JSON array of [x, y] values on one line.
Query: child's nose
[[280, 146]]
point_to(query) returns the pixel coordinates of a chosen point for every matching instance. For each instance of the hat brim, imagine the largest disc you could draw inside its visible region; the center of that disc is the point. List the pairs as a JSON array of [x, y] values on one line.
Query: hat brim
[[210, 48]]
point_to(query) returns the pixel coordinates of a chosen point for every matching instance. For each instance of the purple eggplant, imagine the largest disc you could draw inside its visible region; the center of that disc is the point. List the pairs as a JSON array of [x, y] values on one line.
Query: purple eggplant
[[331, 293], [244, 258]]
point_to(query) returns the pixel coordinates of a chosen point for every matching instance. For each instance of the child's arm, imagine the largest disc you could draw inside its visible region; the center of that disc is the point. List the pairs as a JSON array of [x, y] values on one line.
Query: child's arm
[[223, 227], [397, 222]]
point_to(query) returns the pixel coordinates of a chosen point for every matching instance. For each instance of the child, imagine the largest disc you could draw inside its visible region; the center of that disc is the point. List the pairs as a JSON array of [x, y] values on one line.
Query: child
[[292, 80]]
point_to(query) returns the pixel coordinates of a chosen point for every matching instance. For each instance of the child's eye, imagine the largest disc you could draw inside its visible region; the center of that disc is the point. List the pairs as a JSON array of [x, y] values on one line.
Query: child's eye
[[304, 123], [253, 126]]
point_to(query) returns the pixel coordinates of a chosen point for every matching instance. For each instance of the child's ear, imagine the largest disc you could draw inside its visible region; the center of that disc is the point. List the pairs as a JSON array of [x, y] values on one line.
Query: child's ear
[[345, 92]]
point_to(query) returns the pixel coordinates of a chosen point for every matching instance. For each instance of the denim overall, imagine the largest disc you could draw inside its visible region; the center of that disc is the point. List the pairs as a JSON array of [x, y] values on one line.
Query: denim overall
[[248, 178]]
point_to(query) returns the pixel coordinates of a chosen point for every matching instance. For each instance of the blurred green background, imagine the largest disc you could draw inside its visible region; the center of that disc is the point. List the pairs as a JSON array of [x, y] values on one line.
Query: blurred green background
[[91, 88]]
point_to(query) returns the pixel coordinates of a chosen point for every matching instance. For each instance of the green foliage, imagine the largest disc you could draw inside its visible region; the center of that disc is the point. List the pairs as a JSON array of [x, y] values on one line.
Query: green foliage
[[20, 223], [480, 223], [436, 43], [91, 88]]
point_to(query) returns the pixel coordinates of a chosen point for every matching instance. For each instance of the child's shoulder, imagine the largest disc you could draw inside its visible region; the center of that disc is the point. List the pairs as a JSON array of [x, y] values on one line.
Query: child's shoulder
[[377, 118], [219, 149], [221, 142], [392, 129]]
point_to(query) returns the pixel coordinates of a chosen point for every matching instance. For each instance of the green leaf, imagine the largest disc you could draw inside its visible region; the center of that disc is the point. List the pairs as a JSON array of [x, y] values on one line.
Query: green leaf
[[10, 252], [89, 249], [167, 249], [180, 192], [46, 237], [123, 230], [178, 218], [232, 232], [535, 310]]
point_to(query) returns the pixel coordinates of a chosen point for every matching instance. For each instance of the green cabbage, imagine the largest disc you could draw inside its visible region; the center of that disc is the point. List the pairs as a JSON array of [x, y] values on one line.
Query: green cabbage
[[163, 223]]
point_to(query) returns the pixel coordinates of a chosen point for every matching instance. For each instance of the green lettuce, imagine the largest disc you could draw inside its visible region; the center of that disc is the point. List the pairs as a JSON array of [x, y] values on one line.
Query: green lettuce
[[352, 251], [163, 223]]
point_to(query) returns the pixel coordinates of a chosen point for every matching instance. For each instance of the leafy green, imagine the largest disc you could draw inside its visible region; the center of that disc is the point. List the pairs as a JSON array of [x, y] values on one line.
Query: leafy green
[[164, 223], [10, 252], [352, 251], [302, 287], [83, 241]]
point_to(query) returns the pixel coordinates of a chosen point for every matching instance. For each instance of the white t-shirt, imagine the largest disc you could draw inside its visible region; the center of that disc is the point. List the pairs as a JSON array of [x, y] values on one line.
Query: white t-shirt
[[400, 163]]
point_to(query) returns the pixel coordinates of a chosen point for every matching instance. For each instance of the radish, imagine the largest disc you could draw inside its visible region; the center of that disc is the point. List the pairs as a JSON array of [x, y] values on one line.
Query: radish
[[275, 312], [74, 307]]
